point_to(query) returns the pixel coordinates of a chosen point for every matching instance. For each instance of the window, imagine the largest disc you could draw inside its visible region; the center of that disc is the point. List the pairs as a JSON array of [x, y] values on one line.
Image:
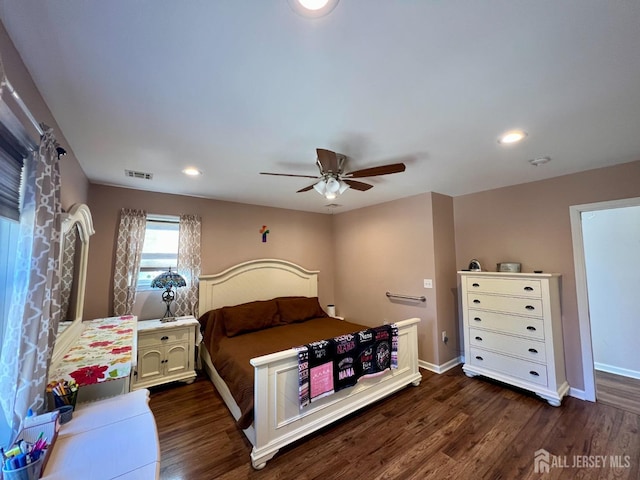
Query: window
[[15, 145], [8, 243], [160, 249]]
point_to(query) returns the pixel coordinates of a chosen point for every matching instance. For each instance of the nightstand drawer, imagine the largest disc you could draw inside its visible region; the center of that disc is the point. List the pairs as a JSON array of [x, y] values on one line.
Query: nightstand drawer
[[521, 347], [165, 335]]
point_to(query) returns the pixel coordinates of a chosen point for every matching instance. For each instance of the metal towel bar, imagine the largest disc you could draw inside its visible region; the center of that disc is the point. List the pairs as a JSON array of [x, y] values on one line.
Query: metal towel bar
[[406, 297]]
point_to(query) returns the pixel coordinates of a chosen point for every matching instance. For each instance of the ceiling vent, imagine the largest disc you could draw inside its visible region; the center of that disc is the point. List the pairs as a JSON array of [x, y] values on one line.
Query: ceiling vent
[[142, 175]]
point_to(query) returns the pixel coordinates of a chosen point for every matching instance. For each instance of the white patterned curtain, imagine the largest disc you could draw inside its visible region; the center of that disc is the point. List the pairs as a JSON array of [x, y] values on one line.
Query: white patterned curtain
[[188, 265], [128, 252], [35, 309]]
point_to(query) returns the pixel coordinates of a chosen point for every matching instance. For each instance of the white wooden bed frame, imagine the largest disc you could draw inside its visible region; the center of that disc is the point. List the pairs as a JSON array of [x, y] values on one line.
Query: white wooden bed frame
[[278, 419]]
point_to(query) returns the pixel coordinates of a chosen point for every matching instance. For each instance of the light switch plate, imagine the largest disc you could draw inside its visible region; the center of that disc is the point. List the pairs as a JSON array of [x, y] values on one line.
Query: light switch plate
[[428, 283]]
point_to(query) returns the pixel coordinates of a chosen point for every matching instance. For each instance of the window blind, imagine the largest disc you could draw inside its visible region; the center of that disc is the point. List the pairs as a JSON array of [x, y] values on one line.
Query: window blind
[[15, 145], [10, 178]]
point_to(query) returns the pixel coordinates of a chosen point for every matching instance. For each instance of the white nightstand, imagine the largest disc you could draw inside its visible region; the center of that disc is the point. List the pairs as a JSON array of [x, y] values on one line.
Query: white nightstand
[[166, 352]]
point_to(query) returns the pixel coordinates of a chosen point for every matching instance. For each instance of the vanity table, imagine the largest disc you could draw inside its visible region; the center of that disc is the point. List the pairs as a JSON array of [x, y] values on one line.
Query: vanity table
[[101, 359], [112, 434]]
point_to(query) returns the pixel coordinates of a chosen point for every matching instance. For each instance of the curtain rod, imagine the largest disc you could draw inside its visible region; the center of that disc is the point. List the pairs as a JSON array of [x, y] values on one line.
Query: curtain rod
[[21, 104]]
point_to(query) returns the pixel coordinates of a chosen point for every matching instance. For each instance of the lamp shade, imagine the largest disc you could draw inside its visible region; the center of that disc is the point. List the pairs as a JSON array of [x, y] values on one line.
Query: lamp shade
[[319, 187], [168, 280], [332, 185]]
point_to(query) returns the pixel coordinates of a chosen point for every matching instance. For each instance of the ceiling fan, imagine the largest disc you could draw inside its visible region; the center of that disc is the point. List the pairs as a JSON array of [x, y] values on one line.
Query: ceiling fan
[[333, 180]]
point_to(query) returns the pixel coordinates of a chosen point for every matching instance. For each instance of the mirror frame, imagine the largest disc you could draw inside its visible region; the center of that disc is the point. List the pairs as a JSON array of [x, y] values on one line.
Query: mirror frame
[[78, 216]]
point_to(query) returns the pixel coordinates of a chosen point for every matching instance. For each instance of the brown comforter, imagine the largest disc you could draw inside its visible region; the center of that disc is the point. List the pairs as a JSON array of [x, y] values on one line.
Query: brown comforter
[[231, 355]]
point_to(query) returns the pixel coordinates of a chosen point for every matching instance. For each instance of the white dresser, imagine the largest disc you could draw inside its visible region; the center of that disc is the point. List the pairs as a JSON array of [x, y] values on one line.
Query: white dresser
[[513, 331]]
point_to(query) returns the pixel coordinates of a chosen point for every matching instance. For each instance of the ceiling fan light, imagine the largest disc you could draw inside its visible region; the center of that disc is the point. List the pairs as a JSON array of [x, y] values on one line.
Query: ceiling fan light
[[343, 187], [330, 195], [320, 187], [333, 185]]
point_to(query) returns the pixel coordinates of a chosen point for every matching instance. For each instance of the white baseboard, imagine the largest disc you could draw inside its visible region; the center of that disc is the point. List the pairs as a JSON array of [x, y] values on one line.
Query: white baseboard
[[573, 392], [432, 367], [579, 394], [625, 372]]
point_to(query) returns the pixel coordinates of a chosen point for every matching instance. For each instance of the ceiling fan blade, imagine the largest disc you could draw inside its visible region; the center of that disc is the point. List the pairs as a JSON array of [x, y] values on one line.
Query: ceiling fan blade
[[361, 186], [289, 175], [375, 171], [306, 189], [328, 160]]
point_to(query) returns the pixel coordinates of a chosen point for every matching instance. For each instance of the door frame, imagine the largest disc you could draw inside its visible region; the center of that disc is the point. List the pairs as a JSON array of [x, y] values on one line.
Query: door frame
[[582, 293]]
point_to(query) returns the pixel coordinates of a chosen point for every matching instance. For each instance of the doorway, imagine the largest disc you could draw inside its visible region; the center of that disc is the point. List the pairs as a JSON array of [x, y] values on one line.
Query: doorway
[[606, 240]]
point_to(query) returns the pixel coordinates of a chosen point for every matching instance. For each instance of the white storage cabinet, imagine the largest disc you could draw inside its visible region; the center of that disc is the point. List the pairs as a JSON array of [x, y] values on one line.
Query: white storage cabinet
[[166, 352]]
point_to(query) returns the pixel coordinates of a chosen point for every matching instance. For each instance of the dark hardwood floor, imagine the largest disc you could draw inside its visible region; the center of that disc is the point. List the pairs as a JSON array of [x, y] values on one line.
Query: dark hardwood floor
[[450, 426], [618, 391]]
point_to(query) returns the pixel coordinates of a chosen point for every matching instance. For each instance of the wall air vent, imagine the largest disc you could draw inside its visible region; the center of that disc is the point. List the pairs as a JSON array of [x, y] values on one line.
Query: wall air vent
[[142, 175]]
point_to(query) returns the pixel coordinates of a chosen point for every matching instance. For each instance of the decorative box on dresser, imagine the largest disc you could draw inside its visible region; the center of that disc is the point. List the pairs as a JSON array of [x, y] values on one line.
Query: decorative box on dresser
[[513, 331], [166, 351]]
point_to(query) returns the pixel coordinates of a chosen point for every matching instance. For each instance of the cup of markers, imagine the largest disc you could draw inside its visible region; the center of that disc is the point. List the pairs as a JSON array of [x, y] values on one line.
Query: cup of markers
[[24, 460], [64, 393]]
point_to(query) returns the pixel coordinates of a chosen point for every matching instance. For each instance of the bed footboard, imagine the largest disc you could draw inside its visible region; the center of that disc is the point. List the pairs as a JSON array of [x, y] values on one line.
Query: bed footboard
[[278, 417]]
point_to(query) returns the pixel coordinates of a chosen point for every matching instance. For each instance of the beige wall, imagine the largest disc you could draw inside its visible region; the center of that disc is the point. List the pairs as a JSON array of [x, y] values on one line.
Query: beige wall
[[393, 247], [230, 235], [446, 278], [529, 223], [387, 247], [74, 182]]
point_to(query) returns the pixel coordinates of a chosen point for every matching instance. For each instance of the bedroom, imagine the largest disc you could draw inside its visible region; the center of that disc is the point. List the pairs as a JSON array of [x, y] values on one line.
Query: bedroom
[[430, 235]]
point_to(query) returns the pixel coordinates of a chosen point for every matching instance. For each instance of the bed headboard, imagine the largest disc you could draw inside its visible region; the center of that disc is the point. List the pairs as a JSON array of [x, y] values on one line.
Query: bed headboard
[[261, 279]]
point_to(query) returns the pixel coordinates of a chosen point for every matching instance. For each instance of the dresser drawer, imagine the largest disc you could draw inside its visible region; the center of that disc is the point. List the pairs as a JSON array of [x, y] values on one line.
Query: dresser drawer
[[515, 367], [522, 306], [530, 327], [167, 335], [520, 347], [506, 286]]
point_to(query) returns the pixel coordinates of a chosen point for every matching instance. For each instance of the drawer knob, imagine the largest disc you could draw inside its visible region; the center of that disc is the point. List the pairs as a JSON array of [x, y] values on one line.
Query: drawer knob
[[478, 357], [477, 319], [475, 285], [479, 339], [530, 307], [476, 301], [533, 350], [534, 373], [528, 289], [164, 338], [531, 329]]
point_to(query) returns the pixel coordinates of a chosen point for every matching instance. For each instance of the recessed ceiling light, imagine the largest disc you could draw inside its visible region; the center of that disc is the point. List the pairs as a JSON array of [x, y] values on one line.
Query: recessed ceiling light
[[313, 4], [194, 172], [512, 136], [313, 8]]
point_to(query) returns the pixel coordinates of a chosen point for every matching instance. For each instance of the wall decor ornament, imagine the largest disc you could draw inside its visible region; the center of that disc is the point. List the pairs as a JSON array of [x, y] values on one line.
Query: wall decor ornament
[[264, 231]]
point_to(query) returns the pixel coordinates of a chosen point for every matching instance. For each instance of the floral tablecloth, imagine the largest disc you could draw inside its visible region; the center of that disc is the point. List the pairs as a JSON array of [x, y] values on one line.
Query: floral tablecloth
[[103, 352]]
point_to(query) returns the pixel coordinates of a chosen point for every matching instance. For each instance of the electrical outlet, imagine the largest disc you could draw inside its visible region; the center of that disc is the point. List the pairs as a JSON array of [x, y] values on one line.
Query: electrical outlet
[[428, 283], [445, 339]]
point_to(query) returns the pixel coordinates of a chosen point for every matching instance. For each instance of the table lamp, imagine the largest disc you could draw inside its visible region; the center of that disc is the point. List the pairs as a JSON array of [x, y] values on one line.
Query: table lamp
[[168, 280]]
